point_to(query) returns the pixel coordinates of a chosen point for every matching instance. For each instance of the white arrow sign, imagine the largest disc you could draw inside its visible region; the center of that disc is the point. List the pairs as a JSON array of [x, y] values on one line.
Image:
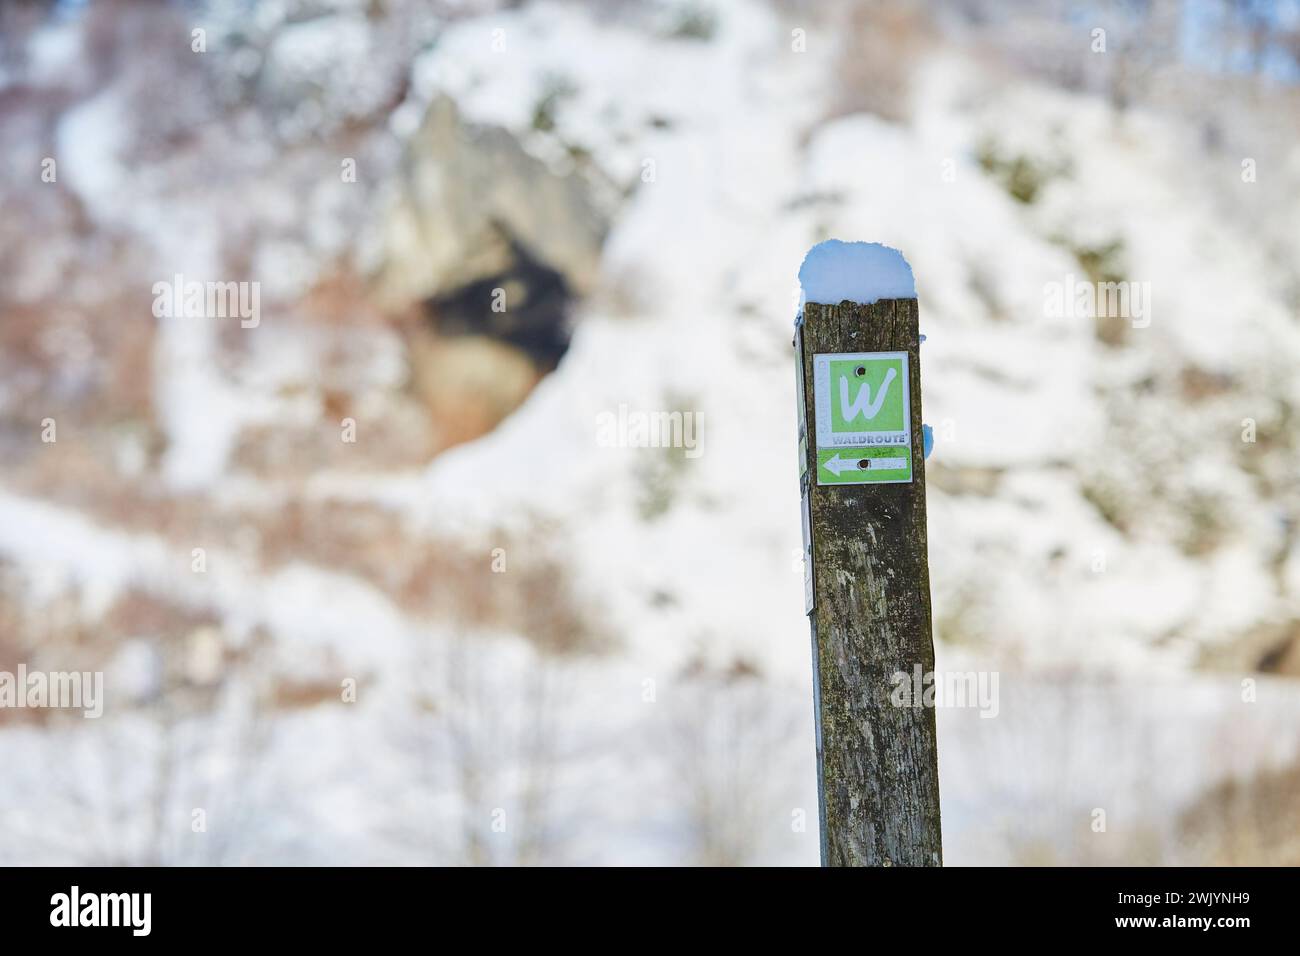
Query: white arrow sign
[[835, 464]]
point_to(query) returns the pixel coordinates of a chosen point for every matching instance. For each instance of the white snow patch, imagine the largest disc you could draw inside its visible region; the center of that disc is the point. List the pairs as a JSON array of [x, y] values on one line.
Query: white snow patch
[[91, 138], [54, 54], [865, 272]]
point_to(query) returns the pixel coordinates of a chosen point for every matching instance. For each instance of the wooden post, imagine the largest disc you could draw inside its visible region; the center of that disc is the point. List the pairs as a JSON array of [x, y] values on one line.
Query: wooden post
[[868, 593]]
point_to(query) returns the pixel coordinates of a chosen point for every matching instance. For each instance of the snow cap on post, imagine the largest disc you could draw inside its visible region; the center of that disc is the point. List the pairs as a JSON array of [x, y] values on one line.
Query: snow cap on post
[[863, 272]]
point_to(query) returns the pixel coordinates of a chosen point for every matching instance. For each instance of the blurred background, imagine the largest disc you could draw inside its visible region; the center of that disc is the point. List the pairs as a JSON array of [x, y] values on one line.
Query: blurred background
[[371, 579]]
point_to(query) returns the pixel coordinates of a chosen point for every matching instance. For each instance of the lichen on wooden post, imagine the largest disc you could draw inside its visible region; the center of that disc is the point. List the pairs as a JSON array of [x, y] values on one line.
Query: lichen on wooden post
[[870, 616]]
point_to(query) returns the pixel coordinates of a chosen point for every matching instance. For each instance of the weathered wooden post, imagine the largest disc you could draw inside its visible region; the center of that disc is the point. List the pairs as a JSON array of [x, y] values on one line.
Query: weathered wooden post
[[867, 582]]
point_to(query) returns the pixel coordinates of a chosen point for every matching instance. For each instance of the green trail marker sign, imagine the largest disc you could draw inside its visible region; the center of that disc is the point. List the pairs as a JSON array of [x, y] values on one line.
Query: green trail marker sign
[[863, 418]]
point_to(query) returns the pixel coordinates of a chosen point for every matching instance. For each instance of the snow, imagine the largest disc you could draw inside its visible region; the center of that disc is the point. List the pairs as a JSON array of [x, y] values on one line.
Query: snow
[[863, 272], [693, 315], [91, 138], [55, 54], [316, 614], [1009, 393]]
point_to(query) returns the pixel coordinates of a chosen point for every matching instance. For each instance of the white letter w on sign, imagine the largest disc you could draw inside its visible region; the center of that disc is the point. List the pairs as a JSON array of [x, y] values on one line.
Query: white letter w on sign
[[863, 405]]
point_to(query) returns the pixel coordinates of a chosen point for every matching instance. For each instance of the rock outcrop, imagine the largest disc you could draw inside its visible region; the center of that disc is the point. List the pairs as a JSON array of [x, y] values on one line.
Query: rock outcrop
[[470, 202], [485, 247]]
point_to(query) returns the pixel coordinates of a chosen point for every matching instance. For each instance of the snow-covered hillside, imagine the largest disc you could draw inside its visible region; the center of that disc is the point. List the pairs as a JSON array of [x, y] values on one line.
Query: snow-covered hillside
[[1101, 535]]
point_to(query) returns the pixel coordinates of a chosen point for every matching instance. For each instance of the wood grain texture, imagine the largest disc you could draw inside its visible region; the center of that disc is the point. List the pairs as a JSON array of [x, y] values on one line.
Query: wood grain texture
[[870, 622]]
